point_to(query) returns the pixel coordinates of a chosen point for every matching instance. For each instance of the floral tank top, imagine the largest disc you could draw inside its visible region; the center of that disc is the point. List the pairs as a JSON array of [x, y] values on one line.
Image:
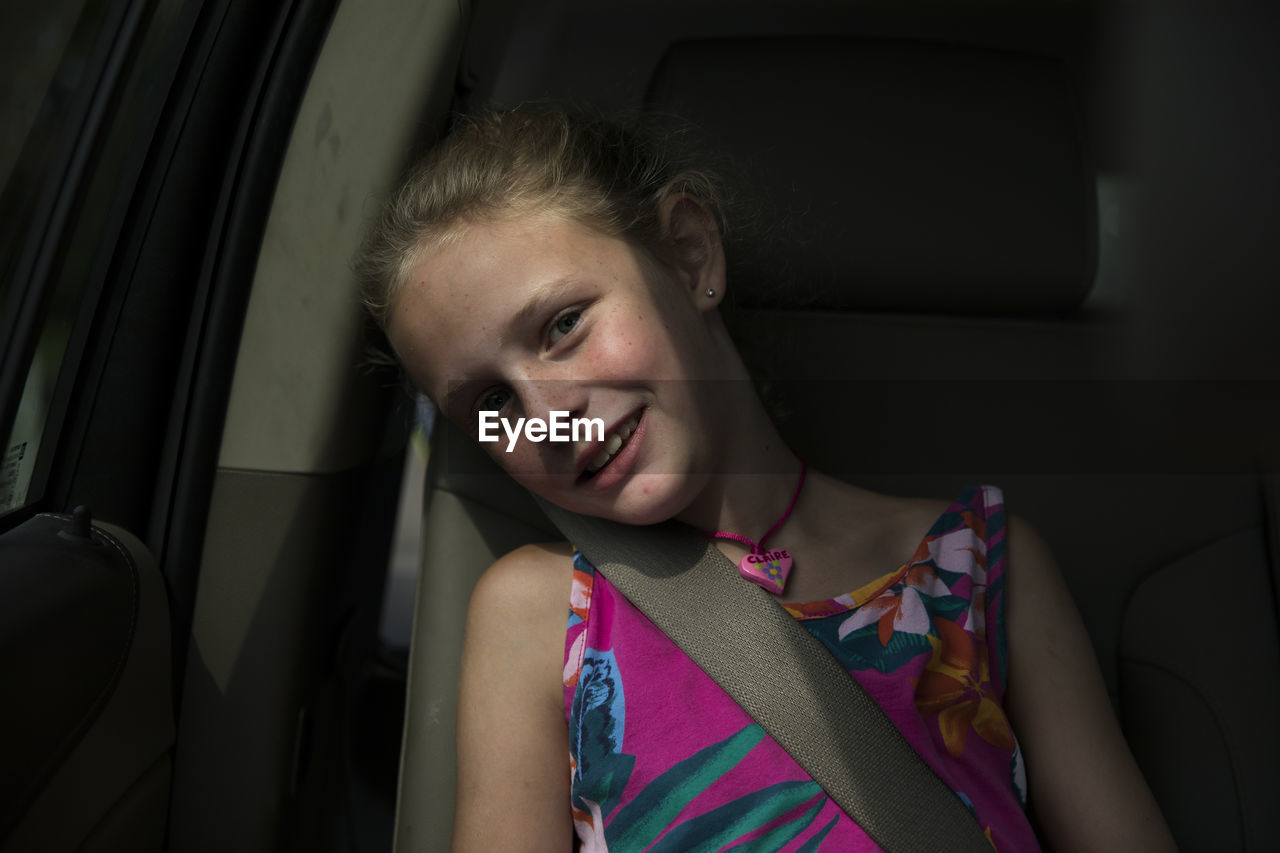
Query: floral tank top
[[662, 759]]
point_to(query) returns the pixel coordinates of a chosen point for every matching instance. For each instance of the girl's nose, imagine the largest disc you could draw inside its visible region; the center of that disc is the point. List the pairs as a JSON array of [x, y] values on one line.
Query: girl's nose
[[543, 397]]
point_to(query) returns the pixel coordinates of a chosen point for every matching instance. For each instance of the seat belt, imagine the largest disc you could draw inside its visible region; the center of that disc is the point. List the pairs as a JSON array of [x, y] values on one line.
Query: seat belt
[[783, 677]]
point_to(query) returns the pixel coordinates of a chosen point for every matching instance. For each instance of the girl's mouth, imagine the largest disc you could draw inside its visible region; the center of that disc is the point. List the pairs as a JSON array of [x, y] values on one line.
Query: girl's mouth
[[613, 444]]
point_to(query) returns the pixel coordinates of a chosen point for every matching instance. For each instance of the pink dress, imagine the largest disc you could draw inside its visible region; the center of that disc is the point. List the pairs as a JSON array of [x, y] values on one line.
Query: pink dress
[[662, 759]]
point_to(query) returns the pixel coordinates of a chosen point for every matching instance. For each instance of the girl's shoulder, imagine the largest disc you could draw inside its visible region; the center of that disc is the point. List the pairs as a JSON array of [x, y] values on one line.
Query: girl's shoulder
[[526, 587], [909, 521], [981, 501], [537, 557], [884, 529]]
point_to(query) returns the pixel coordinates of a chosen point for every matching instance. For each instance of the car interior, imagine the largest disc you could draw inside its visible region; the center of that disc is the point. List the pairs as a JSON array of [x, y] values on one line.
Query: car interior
[[1026, 244]]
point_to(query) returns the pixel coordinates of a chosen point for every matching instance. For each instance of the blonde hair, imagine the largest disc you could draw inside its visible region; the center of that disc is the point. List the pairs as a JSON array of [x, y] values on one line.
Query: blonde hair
[[608, 174]]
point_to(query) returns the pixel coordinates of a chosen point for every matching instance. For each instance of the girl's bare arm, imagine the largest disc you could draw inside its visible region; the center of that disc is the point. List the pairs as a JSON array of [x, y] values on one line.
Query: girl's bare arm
[[1087, 791], [513, 742]]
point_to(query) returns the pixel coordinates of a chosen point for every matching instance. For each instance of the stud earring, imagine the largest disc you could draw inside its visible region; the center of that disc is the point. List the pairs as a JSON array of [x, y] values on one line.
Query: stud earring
[[710, 293]]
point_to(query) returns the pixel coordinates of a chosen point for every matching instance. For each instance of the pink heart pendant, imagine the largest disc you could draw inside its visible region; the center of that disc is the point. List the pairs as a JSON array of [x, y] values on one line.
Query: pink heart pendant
[[768, 570]]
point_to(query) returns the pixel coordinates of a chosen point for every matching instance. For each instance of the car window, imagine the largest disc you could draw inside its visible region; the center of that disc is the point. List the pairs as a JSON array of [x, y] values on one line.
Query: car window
[[46, 64], [51, 55]]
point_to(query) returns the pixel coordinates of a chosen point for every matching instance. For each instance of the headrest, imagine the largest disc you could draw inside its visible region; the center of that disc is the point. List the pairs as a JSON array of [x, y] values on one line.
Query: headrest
[[906, 176]]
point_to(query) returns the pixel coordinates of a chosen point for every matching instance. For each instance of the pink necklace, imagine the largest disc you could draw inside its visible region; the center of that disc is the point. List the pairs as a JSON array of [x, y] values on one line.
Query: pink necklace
[[767, 569]]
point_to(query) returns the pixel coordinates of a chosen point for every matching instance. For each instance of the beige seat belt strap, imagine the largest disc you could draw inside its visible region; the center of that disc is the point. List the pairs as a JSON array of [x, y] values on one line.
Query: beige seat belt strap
[[783, 677]]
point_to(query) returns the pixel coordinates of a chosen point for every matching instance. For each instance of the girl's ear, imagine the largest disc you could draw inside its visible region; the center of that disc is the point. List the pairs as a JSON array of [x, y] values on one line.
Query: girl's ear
[[693, 245]]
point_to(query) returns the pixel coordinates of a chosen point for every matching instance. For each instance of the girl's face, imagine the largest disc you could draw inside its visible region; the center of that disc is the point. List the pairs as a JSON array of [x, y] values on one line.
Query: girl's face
[[529, 315]]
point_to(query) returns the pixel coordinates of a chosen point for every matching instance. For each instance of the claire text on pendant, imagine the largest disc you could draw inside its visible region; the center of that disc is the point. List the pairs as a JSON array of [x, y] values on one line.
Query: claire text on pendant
[[767, 556]]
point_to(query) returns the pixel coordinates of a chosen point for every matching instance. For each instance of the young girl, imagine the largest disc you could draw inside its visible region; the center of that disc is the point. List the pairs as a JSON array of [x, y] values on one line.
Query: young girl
[[546, 261]]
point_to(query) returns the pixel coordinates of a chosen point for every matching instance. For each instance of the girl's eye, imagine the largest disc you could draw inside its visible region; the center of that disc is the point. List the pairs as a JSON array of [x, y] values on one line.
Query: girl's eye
[[563, 325], [494, 399]]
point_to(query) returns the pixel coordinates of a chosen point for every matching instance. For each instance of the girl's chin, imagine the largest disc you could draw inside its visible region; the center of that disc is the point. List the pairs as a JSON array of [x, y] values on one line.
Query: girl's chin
[[643, 499]]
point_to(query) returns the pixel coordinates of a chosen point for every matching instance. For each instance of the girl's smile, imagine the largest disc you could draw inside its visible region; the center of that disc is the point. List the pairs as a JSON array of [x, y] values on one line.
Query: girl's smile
[[610, 445], [612, 463]]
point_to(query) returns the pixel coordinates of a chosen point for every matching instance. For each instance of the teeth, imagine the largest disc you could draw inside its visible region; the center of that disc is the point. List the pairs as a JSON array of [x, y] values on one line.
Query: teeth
[[612, 445], [599, 460]]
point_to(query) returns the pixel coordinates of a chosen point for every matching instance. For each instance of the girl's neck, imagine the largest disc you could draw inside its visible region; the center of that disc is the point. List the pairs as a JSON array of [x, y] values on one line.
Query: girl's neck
[[751, 488], [754, 473]]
